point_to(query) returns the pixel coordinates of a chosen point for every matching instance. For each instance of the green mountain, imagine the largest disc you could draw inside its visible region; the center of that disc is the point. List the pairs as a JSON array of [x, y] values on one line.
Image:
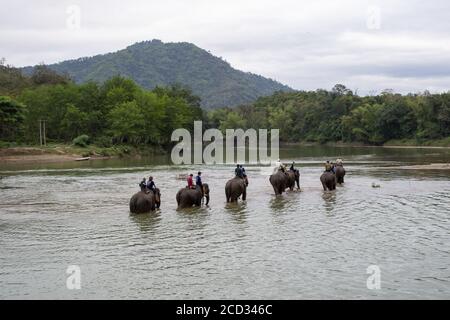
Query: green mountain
[[154, 63]]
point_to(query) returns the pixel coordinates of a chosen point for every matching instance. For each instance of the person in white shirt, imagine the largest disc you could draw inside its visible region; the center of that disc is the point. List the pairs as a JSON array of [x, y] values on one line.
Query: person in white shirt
[[279, 166]]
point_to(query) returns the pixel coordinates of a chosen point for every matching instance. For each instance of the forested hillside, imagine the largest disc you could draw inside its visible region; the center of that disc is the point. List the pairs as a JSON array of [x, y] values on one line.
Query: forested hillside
[[154, 63]]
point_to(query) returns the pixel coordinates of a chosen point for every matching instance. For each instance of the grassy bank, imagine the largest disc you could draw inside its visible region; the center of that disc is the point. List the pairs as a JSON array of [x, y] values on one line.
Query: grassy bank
[[55, 152]]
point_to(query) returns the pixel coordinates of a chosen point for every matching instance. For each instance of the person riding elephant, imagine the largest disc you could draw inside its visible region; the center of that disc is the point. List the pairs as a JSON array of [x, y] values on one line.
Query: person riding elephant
[[279, 181], [142, 201], [143, 184], [279, 166], [192, 197], [238, 172], [236, 187], [328, 166], [151, 186], [339, 171], [190, 182], [244, 175]]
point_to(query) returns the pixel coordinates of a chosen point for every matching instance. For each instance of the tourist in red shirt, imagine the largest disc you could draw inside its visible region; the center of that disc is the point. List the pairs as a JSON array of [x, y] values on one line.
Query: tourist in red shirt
[[190, 182]]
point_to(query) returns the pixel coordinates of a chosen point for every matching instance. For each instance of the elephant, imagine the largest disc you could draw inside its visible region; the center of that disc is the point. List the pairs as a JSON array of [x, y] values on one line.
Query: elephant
[[340, 173], [192, 197], [293, 178], [279, 181], [143, 201], [236, 187], [328, 180]]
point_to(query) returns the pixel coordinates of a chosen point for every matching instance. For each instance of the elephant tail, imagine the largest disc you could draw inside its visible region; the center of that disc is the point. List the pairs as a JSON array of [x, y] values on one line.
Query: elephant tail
[[227, 193], [178, 198]]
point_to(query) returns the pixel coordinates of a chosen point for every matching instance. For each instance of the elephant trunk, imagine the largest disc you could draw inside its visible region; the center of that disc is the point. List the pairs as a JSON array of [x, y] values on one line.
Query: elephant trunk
[[207, 198]]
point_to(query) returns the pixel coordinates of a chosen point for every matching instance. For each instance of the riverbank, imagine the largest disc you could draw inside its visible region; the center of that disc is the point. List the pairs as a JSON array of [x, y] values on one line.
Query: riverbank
[[64, 153], [404, 143], [431, 166]]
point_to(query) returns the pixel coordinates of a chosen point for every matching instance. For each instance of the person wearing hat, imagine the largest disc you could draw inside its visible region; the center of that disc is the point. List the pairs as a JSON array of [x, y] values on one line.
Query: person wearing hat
[[190, 181], [328, 167], [279, 166]]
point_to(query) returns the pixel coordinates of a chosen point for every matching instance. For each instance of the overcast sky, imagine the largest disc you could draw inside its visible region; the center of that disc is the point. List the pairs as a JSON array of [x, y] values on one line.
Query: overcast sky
[[366, 45]]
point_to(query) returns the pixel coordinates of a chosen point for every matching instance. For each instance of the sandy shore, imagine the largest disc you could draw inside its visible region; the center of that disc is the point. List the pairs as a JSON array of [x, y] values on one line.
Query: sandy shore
[[36, 155]]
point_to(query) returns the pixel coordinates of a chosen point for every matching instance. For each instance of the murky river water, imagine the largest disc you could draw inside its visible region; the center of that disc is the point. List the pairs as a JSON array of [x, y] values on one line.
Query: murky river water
[[309, 244]]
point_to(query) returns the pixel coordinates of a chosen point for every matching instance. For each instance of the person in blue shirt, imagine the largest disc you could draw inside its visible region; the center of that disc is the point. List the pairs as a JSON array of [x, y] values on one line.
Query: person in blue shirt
[[243, 171], [198, 181], [151, 184], [238, 171]]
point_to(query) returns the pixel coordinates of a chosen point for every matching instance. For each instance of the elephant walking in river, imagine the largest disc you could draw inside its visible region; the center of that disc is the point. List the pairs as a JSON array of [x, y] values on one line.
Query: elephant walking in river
[[340, 173], [328, 180], [142, 201], [293, 179], [279, 181], [236, 187], [187, 197]]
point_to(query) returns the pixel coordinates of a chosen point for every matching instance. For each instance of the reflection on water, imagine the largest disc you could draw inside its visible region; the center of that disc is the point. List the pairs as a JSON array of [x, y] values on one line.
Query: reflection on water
[[237, 210], [329, 198], [308, 244], [147, 222]]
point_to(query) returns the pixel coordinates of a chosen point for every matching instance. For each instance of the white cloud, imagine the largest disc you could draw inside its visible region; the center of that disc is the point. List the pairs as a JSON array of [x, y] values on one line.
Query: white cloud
[[304, 44]]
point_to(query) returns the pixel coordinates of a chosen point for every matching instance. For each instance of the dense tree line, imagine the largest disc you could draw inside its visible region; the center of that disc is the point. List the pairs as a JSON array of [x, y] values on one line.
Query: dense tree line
[[120, 111], [340, 115], [117, 111]]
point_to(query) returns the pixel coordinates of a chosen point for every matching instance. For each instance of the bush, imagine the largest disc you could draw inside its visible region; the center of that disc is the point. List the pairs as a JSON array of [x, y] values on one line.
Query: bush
[[105, 152], [104, 142], [81, 141], [4, 144]]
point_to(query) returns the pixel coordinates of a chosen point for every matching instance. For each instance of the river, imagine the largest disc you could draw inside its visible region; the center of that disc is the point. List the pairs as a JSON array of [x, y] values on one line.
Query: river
[[303, 245]]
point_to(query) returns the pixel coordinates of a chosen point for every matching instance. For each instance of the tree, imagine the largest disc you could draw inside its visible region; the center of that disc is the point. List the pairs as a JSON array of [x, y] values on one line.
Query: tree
[[232, 121], [11, 119], [74, 122], [127, 122], [44, 75]]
